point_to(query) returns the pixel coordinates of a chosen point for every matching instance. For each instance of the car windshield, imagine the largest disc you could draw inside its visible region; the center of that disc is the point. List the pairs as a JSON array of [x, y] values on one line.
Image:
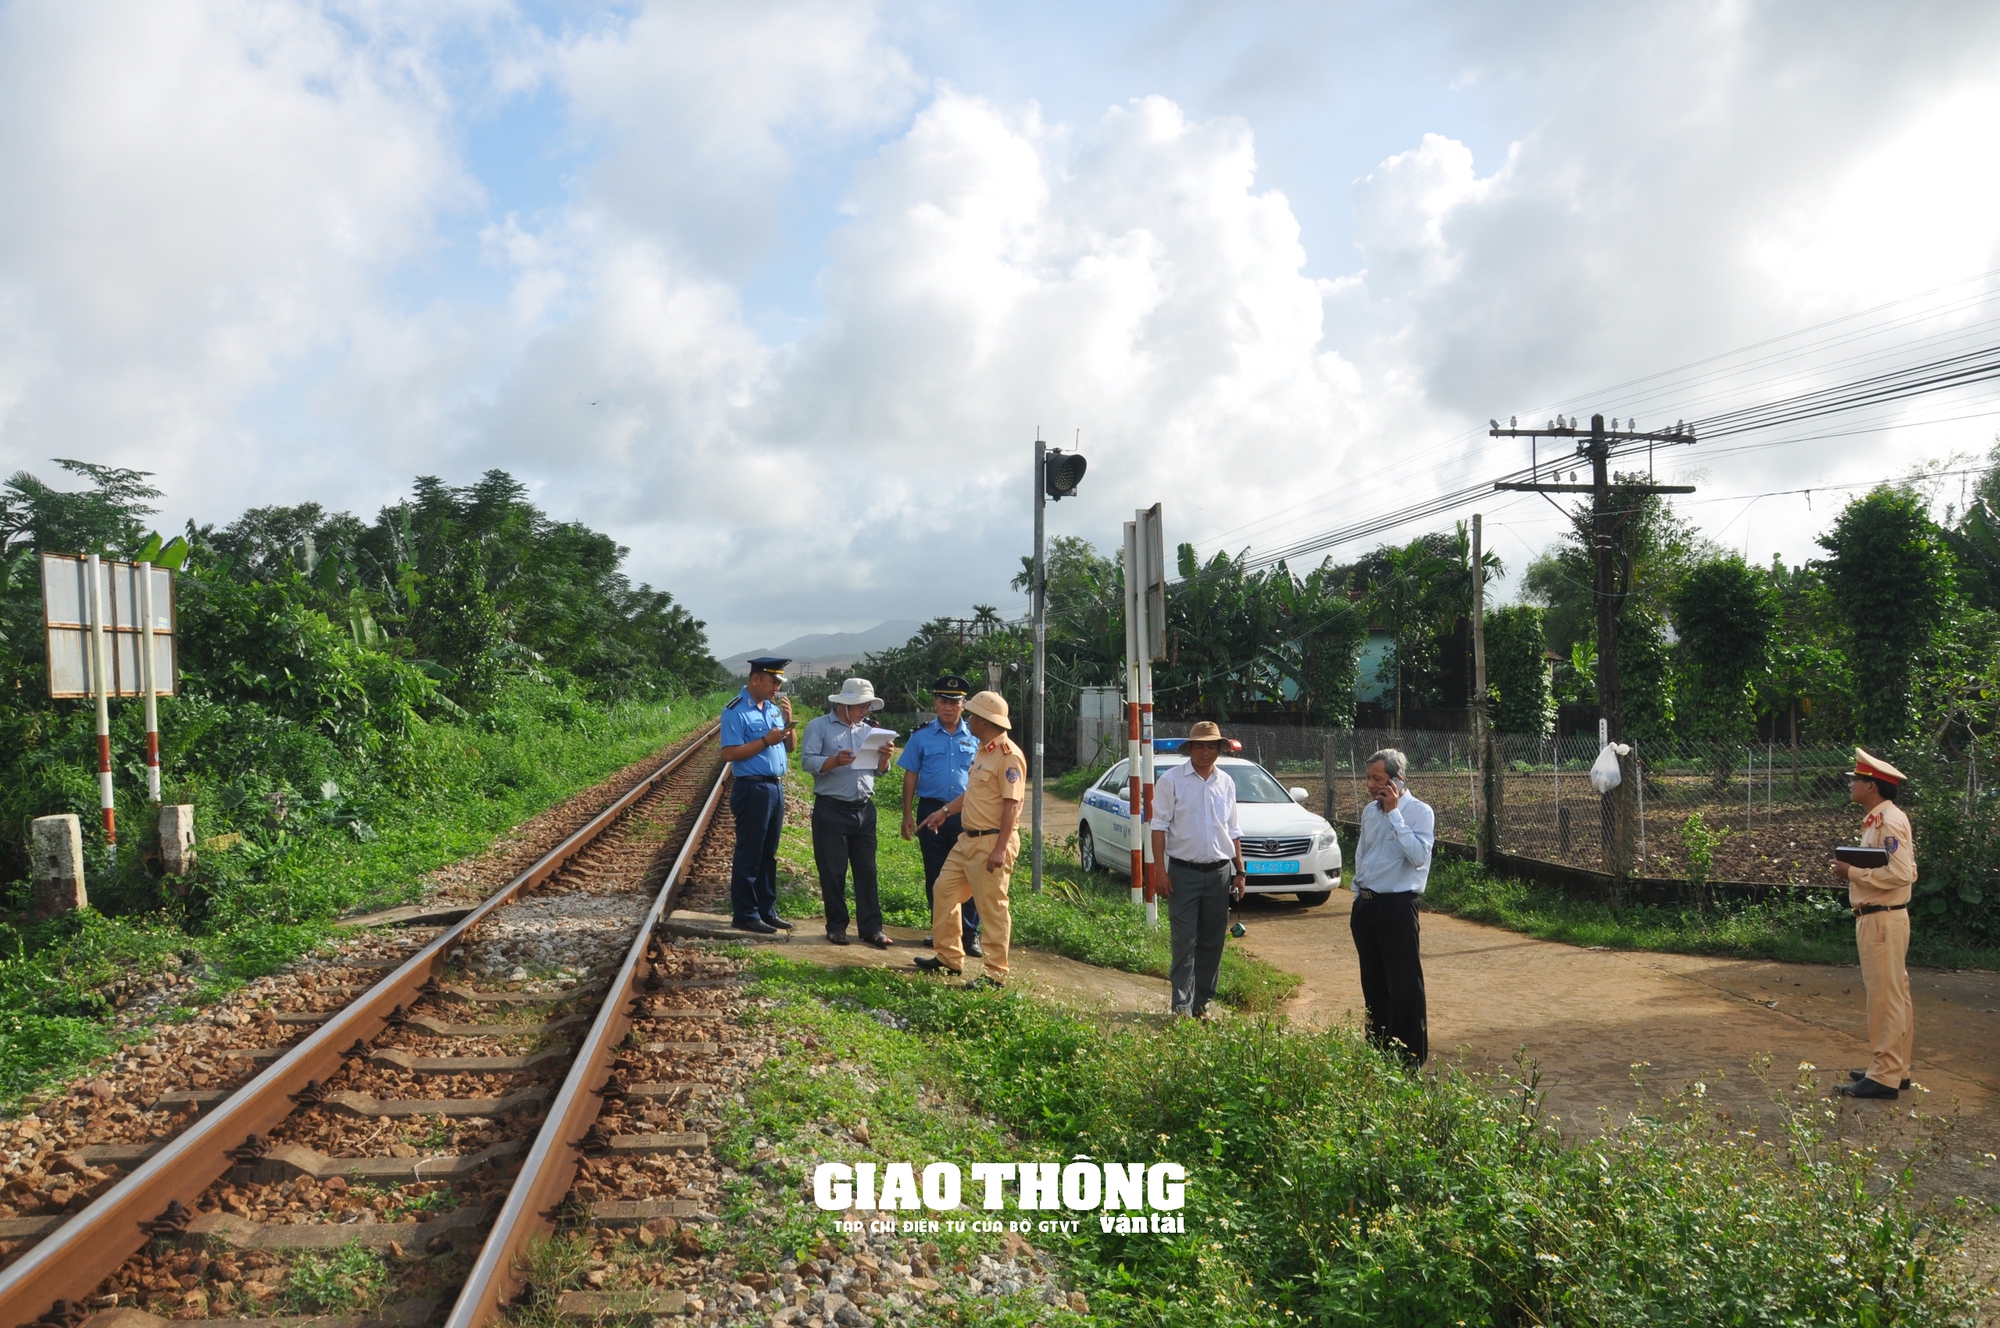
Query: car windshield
[[1254, 784]]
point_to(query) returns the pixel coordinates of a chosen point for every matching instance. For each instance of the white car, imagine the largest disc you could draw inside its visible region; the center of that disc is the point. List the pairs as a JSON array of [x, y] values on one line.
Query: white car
[[1286, 849]]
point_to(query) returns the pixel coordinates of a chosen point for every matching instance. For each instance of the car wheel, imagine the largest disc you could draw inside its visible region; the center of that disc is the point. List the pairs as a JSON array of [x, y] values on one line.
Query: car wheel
[[1314, 898], [1086, 849]]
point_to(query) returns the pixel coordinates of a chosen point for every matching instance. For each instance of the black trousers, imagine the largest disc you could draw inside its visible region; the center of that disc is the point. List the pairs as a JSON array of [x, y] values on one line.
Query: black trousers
[[1392, 973], [843, 837], [936, 846], [758, 806]]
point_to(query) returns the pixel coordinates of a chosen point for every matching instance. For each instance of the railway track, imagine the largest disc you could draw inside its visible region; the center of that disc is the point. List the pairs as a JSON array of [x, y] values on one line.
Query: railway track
[[436, 1118]]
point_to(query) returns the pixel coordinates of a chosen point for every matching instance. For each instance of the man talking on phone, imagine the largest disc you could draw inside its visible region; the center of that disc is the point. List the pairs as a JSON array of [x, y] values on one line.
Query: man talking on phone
[[1392, 864]]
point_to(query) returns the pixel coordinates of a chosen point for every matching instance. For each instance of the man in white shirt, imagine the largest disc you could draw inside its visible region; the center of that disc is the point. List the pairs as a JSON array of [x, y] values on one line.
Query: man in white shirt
[[1197, 865], [1392, 864]]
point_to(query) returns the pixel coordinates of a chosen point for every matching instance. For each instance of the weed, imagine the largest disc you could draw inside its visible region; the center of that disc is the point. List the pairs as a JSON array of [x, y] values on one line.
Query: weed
[[1327, 1185], [257, 907], [1794, 926], [349, 1278]]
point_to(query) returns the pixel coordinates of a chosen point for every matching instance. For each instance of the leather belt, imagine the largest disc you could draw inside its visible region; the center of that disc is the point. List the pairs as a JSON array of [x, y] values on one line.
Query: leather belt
[[1862, 910], [1200, 866], [756, 779], [1366, 893], [975, 834]]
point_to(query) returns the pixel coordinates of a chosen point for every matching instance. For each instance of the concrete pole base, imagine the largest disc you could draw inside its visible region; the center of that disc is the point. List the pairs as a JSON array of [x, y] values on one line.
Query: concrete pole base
[[177, 842], [56, 843]]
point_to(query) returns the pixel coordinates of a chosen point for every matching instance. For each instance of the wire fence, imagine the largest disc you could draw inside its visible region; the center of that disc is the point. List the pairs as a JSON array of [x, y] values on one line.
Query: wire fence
[[1776, 810]]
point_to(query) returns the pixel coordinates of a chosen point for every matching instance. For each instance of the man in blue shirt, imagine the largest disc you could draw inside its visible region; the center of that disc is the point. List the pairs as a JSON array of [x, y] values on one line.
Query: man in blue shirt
[[756, 735], [936, 766], [1392, 864], [843, 814]]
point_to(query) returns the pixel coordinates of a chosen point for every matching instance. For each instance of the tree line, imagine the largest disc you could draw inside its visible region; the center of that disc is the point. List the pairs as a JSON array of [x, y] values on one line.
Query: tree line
[[1889, 637], [313, 641]]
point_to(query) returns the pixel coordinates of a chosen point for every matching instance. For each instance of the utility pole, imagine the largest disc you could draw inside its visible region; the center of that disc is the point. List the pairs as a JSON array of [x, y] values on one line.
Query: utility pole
[[1600, 531], [1482, 835]]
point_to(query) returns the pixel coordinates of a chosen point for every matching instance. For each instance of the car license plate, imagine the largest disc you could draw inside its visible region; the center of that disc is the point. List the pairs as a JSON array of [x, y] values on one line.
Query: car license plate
[[1255, 867]]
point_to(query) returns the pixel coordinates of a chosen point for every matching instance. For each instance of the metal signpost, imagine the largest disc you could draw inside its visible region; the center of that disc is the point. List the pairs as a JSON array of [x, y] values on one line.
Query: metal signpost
[[111, 632], [1057, 473]]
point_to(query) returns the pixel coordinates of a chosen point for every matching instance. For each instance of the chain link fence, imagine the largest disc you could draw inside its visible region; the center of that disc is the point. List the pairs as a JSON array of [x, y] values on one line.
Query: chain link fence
[[1773, 811]]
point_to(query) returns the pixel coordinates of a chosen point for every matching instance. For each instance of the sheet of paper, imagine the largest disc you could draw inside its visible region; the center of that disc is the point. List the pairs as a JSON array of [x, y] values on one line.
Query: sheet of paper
[[876, 739]]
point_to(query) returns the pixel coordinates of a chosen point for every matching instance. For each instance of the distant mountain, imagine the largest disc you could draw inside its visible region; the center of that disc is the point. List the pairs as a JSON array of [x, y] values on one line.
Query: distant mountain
[[820, 651]]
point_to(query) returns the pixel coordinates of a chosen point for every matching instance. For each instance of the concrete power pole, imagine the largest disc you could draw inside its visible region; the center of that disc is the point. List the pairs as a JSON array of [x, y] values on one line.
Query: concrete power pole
[[1483, 832], [1599, 529]]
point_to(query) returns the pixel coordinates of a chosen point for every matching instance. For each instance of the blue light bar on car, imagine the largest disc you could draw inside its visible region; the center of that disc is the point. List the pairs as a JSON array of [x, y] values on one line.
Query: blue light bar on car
[[1175, 744]]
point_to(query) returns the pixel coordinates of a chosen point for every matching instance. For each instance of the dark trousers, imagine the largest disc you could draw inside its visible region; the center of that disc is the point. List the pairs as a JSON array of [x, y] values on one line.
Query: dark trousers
[[1197, 919], [758, 806], [935, 845], [844, 836], [1392, 973]]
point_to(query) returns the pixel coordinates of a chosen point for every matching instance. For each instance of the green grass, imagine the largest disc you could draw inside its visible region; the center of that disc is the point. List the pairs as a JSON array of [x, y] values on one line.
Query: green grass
[[262, 904], [347, 1279], [1326, 1185], [1793, 926], [1084, 917]]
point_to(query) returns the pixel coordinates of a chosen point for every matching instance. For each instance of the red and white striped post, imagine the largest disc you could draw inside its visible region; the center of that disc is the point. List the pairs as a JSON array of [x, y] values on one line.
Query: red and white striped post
[[149, 682], [99, 690]]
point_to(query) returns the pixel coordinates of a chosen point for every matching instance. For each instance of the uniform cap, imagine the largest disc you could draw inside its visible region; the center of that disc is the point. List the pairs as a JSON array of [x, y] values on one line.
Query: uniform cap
[[951, 685], [1875, 768], [770, 664], [991, 707]]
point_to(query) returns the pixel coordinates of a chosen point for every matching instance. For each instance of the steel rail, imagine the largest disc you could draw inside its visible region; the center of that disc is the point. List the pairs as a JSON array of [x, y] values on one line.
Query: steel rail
[[71, 1261], [553, 1160]]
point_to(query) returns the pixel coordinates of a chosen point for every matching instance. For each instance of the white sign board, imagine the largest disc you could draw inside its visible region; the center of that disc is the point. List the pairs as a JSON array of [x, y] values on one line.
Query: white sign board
[[66, 610]]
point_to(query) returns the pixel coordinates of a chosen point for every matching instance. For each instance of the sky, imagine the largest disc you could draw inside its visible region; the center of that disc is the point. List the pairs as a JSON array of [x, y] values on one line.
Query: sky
[[780, 294]]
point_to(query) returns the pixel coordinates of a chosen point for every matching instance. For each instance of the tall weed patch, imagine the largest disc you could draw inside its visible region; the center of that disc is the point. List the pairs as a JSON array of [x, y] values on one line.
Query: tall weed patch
[[1328, 1186]]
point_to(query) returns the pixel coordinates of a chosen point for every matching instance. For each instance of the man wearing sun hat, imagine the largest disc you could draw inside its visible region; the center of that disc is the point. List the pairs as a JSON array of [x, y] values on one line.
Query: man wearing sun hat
[[1197, 865], [936, 764], [1880, 897], [982, 860], [843, 814], [756, 734]]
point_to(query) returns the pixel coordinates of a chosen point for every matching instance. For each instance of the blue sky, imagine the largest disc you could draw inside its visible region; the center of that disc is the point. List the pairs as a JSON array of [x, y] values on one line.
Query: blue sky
[[779, 292]]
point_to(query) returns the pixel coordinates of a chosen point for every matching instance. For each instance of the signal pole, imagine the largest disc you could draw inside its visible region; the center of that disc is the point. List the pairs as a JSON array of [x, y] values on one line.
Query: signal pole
[[1056, 476], [1600, 532]]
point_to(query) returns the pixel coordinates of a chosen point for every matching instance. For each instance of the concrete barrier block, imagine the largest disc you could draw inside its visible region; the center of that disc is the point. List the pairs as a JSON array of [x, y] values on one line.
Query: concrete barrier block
[[56, 846], [177, 840]]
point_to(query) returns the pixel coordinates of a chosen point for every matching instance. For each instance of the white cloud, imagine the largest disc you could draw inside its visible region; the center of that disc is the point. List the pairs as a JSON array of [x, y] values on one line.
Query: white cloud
[[199, 194], [703, 110]]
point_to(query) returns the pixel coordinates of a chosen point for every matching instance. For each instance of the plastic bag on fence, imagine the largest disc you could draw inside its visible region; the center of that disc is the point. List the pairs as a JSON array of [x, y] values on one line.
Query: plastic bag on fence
[[1604, 774]]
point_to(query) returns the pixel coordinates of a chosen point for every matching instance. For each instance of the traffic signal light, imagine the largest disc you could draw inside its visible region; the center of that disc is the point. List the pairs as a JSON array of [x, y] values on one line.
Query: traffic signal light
[[1061, 473]]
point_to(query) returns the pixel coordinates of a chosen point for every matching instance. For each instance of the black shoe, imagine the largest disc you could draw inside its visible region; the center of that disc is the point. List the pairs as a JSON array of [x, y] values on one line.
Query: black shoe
[[931, 965], [757, 925], [926, 941], [773, 920], [836, 938], [984, 983], [1868, 1088], [1858, 1075], [973, 947]]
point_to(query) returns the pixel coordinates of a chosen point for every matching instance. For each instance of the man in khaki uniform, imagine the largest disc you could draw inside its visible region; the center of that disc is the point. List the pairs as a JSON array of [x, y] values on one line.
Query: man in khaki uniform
[[1880, 897], [983, 858]]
